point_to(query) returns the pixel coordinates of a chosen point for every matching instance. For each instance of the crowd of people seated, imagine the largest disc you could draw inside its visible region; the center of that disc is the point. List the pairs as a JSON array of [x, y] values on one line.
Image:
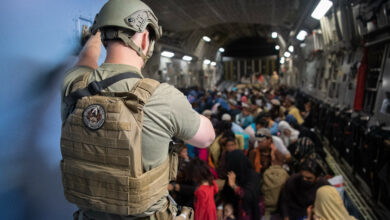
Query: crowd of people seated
[[267, 161]]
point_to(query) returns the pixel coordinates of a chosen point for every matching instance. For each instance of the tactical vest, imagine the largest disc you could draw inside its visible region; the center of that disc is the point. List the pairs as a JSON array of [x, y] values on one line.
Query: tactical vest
[[101, 150]]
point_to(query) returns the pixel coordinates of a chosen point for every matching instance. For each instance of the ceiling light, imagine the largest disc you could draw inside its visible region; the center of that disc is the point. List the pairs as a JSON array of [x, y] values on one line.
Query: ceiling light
[[187, 58], [277, 47], [206, 61], [321, 9], [291, 48], [213, 63], [302, 45], [287, 54], [274, 35], [301, 35], [282, 60], [207, 39], [167, 54], [221, 50]]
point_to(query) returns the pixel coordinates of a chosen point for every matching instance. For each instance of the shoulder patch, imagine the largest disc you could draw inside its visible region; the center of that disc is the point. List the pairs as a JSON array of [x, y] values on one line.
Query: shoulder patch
[[94, 116]]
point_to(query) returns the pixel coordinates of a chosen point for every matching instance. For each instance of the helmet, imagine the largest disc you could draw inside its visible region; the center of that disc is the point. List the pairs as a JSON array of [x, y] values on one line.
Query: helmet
[[119, 18]]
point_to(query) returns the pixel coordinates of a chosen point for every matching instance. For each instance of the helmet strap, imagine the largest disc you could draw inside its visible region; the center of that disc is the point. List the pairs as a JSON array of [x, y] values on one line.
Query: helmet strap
[[126, 38]]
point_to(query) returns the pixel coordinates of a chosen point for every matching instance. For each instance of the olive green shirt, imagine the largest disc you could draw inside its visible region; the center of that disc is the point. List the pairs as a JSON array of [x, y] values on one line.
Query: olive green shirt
[[167, 113]]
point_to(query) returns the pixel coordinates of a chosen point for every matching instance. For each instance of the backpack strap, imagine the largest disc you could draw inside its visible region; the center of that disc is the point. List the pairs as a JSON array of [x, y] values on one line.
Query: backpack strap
[[96, 87]]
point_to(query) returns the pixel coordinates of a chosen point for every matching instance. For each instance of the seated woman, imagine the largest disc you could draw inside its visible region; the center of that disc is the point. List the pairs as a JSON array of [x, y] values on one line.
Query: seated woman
[[328, 205], [305, 148], [300, 189], [242, 188]]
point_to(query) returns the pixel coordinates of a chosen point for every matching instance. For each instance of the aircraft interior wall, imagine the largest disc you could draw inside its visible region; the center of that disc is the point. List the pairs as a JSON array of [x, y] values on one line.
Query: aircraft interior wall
[[39, 40], [332, 55]]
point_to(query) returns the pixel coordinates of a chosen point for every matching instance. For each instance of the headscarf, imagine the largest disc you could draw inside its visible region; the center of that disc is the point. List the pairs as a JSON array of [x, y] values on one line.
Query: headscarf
[[329, 205], [304, 147], [247, 179], [207, 112], [283, 125], [298, 194]]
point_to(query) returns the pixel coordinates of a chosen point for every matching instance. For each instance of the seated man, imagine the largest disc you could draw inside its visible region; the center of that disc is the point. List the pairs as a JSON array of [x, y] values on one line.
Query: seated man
[[252, 129], [244, 118], [288, 134], [292, 110], [274, 179], [272, 125], [263, 154]]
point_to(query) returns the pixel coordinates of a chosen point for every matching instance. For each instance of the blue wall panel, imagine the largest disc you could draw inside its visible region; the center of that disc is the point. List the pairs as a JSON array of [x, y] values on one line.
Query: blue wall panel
[[38, 41]]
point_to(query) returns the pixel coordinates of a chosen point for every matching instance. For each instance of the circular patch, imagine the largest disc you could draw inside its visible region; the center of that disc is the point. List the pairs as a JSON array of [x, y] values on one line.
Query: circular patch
[[94, 116]]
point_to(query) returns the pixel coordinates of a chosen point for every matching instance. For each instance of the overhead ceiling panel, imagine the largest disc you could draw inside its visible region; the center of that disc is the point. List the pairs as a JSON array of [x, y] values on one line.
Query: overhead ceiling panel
[[183, 15], [185, 21]]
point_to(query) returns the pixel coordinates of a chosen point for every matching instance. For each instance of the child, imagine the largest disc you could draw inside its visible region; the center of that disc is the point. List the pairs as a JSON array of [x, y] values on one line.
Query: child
[[204, 204], [228, 212], [229, 145]]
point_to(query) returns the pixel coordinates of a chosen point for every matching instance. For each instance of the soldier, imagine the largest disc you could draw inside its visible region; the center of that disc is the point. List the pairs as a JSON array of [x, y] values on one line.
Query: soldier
[[117, 125]]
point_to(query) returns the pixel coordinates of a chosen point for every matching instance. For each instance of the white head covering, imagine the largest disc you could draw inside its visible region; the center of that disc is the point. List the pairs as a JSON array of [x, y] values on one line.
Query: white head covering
[[207, 112], [244, 105], [275, 102], [283, 125], [280, 145], [226, 117]]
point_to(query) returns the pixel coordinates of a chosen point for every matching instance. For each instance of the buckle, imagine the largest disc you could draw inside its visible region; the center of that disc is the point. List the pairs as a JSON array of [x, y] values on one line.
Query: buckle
[[94, 88]]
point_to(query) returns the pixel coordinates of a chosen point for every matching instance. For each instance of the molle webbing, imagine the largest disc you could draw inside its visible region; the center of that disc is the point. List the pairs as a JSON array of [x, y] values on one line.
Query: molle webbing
[[102, 169], [80, 82], [107, 190], [144, 89]]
